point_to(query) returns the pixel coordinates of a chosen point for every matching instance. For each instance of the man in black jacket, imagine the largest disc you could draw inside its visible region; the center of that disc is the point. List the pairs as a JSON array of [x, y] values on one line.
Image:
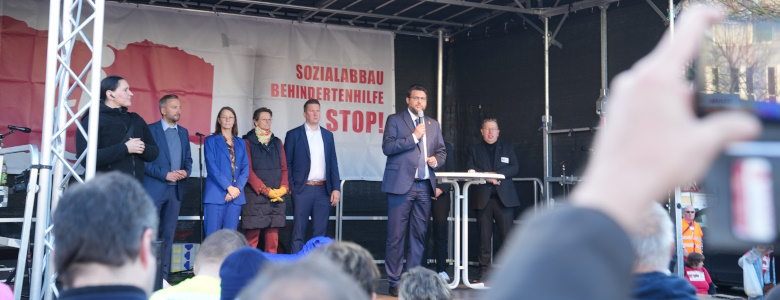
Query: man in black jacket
[[496, 199]]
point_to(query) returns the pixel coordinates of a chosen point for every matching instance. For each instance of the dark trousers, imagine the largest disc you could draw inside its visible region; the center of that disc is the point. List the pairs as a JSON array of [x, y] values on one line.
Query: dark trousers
[[407, 212], [168, 209], [440, 211], [219, 216], [504, 216], [314, 201]]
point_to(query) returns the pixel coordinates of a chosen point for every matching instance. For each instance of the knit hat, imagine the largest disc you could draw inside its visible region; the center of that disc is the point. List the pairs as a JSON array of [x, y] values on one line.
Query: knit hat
[[238, 269]]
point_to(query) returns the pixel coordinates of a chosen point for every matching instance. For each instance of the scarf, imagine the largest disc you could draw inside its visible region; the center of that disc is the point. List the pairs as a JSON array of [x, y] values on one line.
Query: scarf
[[264, 136]]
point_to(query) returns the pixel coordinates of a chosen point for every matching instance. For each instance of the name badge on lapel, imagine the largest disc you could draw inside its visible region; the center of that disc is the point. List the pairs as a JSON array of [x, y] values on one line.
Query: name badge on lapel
[[505, 160]]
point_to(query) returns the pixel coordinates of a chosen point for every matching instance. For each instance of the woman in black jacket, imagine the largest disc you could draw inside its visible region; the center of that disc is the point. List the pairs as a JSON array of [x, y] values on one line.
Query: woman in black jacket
[[267, 184], [124, 141]]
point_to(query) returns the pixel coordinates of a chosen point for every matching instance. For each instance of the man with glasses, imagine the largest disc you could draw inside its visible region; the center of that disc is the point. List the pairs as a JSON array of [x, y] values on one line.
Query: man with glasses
[[496, 199], [691, 232], [409, 181]]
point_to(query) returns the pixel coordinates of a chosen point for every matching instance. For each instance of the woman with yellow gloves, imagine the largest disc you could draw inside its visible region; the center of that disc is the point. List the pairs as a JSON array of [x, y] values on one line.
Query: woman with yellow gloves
[[267, 185]]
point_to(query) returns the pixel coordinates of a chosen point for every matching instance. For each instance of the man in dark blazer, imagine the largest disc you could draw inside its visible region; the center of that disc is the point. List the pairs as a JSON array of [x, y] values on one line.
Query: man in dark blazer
[[314, 175], [409, 181], [164, 177], [496, 199]]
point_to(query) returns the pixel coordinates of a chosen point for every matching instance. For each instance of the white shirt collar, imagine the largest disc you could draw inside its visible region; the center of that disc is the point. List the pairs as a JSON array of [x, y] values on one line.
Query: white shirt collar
[[414, 116], [308, 128], [166, 126]]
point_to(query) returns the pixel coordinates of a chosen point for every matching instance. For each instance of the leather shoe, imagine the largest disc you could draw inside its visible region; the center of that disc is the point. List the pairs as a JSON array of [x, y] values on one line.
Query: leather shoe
[[393, 291]]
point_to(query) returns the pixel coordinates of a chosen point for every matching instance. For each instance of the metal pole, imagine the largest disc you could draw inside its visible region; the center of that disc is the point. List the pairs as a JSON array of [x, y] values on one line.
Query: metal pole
[[546, 121], [439, 83], [44, 193], [97, 58], [604, 50], [671, 18], [679, 268]]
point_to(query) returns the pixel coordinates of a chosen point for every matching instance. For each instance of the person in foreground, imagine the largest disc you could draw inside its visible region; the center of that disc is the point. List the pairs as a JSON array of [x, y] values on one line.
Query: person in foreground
[[357, 262], [652, 107], [315, 277], [423, 284], [107, 255], [697, 274], [206, 283], [653, 241]]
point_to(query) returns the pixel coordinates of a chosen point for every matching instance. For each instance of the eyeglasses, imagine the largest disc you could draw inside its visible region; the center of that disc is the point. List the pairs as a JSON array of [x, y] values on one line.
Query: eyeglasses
[[228, 118], [422, 99], [690, 212], [265, 120], [490, 129]]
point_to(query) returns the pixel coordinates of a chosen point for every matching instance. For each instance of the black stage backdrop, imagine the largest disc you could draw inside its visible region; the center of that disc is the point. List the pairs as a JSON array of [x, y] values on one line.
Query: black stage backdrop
[[494, 70]]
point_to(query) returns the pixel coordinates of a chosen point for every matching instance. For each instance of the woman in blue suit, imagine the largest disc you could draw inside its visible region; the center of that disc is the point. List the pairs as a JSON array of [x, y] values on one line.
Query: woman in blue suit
[[228, 171]]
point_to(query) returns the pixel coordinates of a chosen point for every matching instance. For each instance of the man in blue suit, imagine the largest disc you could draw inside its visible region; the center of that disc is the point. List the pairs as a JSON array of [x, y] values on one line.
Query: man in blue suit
[[409, 181], [164, 177], [314, 175]]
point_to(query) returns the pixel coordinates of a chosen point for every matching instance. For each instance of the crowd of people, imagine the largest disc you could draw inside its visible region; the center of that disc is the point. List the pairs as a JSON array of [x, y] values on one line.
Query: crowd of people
[[108, 254]]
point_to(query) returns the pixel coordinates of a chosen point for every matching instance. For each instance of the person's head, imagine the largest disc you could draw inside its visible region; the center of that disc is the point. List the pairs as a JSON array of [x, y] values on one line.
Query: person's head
[[262, 118], [311, 111], [416, 98], [356, 261], [170, 108], [420, 283], [115, 92], [489, 130], [226, 120], [238, 269], [689, 213], [695, 260], [215, 248], [107, 224], [652, 240], [322, 279]]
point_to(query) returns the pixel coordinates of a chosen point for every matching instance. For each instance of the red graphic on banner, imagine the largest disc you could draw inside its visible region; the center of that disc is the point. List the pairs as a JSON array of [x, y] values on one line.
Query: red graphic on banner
[[154, 70], [22, 80]]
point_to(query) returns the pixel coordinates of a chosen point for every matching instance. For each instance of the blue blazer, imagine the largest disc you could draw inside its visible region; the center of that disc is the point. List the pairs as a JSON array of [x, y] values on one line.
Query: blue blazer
[[296, 147], [403, 154], [156, 170], [218, 168]]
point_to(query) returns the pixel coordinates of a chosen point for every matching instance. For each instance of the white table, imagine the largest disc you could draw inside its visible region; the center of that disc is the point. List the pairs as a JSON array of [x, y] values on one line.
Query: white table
[[461, 264]]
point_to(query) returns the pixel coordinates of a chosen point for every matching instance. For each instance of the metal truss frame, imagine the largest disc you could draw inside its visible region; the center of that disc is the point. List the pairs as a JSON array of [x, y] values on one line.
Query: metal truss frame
[[69, 22], [400, 22]]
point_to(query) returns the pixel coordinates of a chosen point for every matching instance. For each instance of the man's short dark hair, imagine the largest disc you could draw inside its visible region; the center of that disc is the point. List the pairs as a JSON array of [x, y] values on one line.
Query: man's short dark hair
[[416, 87], [164, 100], [101, 221], [356, 261], [310, 101]]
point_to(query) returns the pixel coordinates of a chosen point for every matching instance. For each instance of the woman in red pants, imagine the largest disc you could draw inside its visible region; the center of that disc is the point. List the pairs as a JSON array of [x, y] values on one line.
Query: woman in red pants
[[267, 185]]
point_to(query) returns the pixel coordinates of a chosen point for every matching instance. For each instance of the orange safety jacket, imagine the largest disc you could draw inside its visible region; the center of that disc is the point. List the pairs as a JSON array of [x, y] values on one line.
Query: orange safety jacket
[[691, 237]]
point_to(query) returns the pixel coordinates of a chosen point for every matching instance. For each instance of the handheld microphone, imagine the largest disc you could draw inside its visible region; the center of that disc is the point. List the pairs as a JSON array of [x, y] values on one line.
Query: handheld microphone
[[22, 129], [199, 134], [425, 144]]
